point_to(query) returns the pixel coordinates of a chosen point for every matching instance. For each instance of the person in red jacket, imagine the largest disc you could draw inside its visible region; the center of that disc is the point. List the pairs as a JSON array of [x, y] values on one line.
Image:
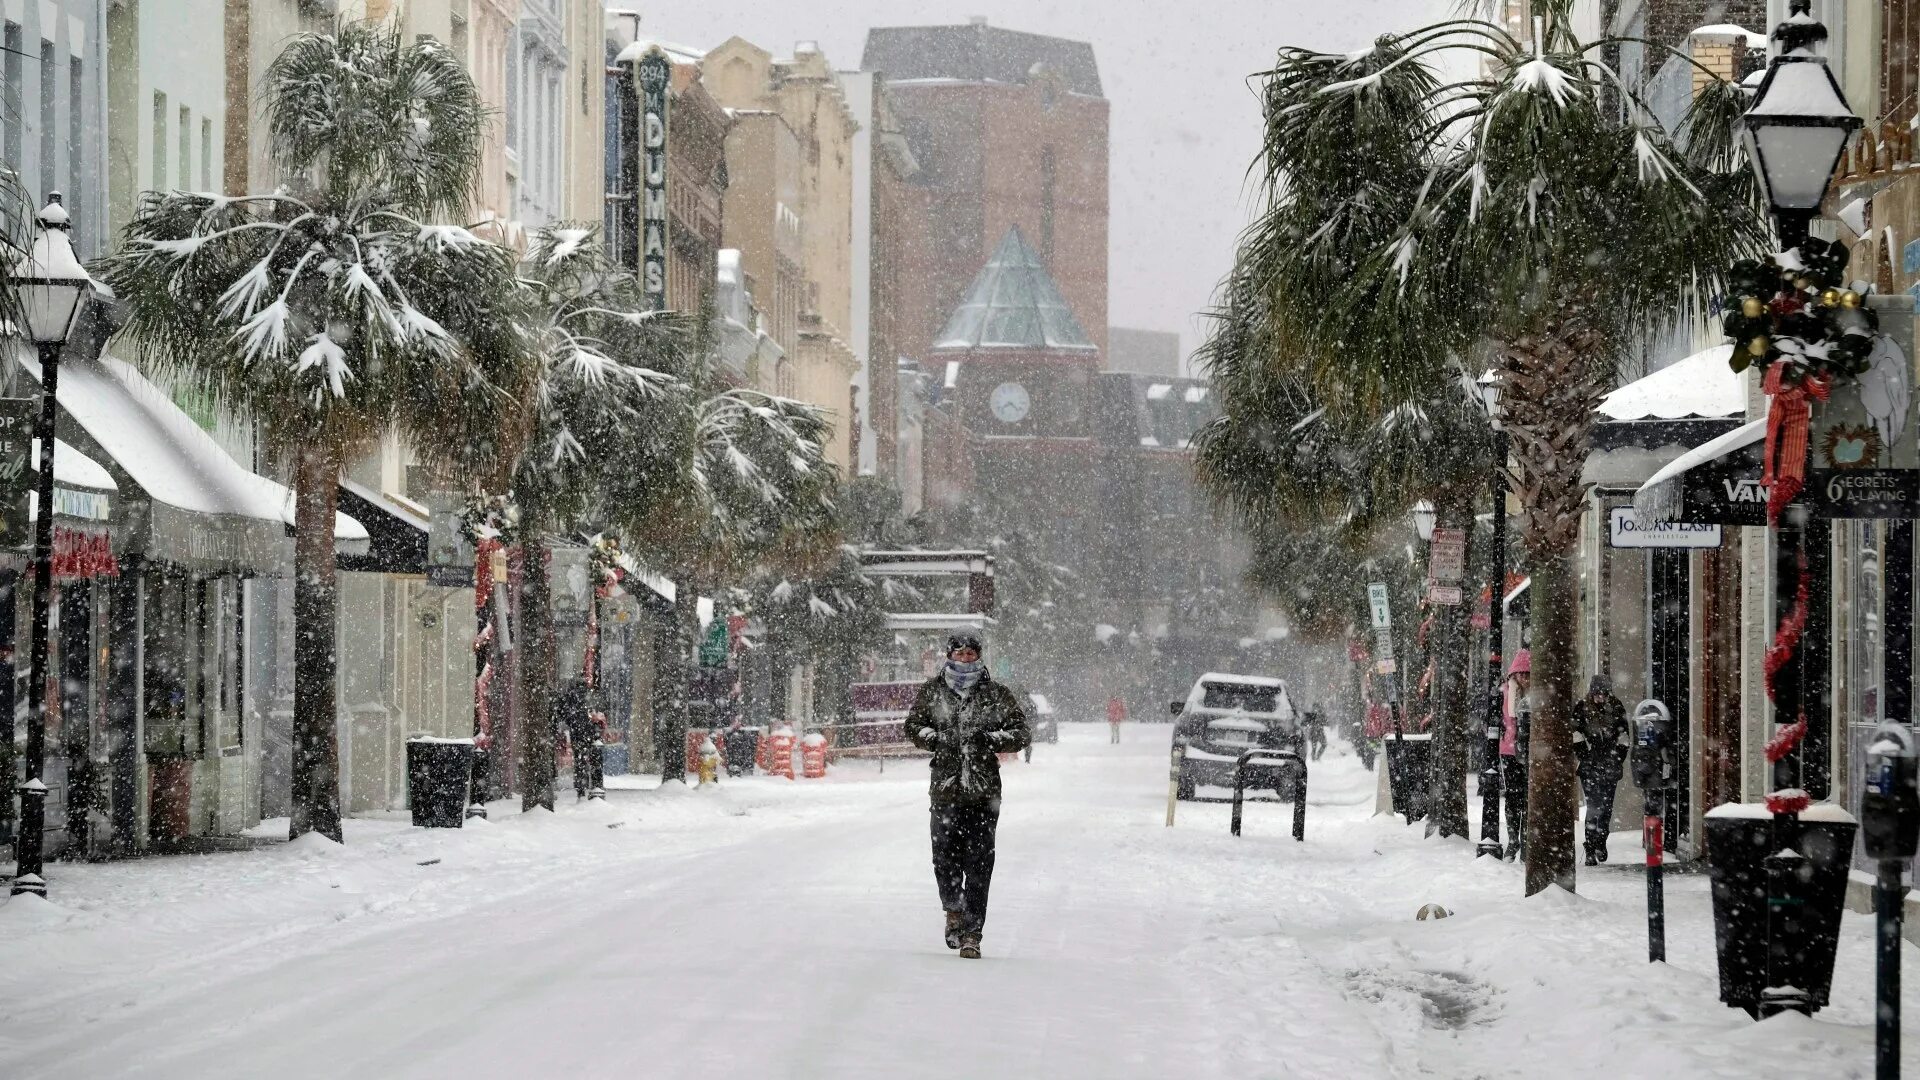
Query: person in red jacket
[[1116, 714]]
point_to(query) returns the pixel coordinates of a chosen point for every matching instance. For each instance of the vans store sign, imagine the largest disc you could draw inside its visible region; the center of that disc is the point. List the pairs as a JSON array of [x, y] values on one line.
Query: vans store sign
[[1624, 530]]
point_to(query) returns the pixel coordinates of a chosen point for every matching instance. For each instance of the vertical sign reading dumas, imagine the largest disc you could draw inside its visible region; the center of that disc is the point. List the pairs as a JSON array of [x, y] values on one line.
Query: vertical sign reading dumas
[[655, 72]]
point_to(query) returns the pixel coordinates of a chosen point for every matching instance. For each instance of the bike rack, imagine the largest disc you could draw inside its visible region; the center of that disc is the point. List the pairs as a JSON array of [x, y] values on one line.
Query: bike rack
[[1277, 757]]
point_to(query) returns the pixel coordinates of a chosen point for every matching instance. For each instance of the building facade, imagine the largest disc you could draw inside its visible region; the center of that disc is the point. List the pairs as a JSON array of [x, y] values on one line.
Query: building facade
[[883, 171], [1008, 129], [53, 87]]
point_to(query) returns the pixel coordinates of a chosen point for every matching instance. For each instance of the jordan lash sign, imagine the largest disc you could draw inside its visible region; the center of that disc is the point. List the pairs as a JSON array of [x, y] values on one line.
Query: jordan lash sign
[[655, 73]]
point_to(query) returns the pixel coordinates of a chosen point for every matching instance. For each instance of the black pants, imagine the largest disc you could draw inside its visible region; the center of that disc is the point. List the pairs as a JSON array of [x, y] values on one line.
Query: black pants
[[1513, 789], [963, 859], [585, 737], [1599, 786]]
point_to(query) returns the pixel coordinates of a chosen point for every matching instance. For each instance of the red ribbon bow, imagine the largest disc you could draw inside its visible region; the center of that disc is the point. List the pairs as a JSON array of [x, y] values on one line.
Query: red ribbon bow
[[1784, 458]]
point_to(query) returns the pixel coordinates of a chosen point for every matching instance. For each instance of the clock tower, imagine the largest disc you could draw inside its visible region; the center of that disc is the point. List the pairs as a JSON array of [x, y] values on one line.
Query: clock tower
[[1021, 373]]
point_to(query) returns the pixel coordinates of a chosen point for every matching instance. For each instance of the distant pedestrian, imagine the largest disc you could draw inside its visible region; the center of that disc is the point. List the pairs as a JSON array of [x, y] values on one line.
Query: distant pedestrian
[[1116, 715], [583, 725], [1601, 739], [1316, 730], [1516, 716], [965, 719]]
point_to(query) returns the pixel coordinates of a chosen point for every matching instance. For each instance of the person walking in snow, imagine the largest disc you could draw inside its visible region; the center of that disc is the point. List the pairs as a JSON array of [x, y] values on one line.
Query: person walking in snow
[[1513, 749], [583, 722], [1116, 715], [1316, 730], [964, 718], [1601, 739]]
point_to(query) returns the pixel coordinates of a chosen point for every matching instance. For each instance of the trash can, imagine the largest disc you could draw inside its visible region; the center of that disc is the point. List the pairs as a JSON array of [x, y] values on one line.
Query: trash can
[[1740, 845], [740, 746], [439, 772], [1409, 764]]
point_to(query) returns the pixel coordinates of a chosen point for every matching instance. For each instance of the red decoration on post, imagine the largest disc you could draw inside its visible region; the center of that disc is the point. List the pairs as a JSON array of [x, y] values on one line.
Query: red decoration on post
[[1784, 458]]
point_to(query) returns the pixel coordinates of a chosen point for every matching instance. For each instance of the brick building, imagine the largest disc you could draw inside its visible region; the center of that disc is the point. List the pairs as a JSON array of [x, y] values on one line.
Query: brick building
[[1009, 129]]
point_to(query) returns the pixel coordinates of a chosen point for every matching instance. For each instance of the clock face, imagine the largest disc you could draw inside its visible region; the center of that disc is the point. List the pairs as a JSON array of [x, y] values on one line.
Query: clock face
[[1010, 402]]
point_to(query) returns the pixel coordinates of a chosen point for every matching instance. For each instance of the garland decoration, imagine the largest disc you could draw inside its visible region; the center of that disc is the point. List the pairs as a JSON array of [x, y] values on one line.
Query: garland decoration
[[1792, 316]]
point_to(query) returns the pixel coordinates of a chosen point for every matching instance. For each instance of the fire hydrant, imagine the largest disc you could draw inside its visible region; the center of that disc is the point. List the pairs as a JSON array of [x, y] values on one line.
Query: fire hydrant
[[813, 755], [709, 762]]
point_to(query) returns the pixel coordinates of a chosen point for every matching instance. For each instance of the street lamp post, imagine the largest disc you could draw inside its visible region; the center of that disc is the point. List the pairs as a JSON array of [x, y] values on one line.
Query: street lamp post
[[1489, 386], [49, 287], [1795, 131]]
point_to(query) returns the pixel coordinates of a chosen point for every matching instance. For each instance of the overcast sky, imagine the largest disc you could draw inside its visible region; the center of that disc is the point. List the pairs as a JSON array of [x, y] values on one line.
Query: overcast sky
[[1185, 125]]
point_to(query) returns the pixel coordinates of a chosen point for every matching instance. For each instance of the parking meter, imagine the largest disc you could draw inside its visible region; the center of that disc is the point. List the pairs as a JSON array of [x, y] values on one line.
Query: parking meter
[[1652, 745], [1890, 803]]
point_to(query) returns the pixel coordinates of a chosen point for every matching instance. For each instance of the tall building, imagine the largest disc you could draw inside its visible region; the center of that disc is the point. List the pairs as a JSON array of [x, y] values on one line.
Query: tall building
[[790, 175], [1143, 352], [883, 170], [52, 107], [1009, 129]]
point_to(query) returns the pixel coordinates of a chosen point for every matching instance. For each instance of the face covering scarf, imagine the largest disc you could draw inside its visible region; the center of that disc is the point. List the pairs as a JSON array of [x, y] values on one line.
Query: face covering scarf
[[963, 677]]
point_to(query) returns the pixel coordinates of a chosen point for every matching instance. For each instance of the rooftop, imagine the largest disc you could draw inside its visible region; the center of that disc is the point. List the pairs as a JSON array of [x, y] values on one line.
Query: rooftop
[[1013, 303], [978, 53]]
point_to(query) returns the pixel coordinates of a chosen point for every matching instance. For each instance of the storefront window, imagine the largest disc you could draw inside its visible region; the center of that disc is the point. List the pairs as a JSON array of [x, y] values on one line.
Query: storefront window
[[193, 644]]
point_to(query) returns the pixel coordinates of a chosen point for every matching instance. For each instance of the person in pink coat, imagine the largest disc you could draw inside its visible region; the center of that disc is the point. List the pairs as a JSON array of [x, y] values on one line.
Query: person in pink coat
[[1513, 749]]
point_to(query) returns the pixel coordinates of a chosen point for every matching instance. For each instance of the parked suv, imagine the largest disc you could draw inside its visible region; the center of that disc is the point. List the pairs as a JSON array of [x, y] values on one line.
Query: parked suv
[[1226, 715]]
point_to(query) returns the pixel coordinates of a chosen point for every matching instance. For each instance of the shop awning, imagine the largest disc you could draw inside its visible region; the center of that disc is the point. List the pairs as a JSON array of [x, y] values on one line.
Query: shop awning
[[202, 510], [396, 531], [1715, 483]]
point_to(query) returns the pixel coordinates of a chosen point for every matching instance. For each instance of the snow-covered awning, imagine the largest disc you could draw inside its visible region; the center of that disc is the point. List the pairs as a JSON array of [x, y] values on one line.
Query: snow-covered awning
[[203, 510], [1663, 497], [396, 530], [1702, 385]]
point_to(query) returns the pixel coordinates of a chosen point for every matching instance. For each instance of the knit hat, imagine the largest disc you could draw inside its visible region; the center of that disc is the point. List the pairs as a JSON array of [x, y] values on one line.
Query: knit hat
[[1522, 664], [956, 642], [1599, 684]]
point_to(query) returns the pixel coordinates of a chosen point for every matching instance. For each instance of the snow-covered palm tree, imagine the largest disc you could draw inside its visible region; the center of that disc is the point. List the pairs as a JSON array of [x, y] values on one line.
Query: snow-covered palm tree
[[1325, 486], [601, 424], [753, 485], [334, 310], [1537, 214]]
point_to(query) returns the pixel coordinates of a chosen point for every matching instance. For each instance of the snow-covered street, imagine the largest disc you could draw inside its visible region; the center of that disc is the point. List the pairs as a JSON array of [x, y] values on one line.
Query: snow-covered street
[[790, 929]]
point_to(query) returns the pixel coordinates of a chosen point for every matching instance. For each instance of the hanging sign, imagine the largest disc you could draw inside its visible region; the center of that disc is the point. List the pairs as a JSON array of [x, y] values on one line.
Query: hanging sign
[[1381, 611], [449, 555], [1863, 454], [16, 453], [1446, 595], [1624, 530], [654, 73], [1448, 561]]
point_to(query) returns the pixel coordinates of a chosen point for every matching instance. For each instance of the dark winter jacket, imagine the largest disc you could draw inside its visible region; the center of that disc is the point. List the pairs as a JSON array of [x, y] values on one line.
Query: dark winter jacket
[[964, 734], [1601, 736]]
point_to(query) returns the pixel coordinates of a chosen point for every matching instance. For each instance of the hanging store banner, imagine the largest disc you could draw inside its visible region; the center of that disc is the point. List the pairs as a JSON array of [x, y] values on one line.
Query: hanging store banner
[[1864, 440], [1624, 530], [449, 555], [654, 73], [1448, 562], [1725, 492], [16, 478]]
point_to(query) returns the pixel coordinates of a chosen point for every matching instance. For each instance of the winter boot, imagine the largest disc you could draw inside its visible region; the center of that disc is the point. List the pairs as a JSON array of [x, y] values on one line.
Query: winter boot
[[1592, 860], [1600, 852], [970, 947], [954, 921]]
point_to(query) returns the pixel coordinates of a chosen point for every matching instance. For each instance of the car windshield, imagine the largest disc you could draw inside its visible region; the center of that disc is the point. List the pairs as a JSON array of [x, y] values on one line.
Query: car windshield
[[1259, 699]]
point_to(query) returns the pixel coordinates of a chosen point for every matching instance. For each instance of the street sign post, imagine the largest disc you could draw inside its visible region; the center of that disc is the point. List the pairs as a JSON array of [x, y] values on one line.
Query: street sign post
[[1377, 601], [1448, 562]]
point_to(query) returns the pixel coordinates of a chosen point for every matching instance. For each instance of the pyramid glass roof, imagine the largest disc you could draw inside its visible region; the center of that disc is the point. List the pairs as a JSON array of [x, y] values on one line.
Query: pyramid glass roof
[[1013, 303]]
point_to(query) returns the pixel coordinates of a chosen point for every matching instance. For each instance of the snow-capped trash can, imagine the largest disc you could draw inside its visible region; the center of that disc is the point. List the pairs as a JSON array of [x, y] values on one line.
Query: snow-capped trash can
[[813, 755], [438, 774], [1409, 763], [1753, 871]]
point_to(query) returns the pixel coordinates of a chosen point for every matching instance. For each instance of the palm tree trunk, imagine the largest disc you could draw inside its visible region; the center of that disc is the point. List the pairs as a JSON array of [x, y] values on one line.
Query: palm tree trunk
[[1552, 788], [537, 742], [677, 669], [316, 614], [1451, 723]]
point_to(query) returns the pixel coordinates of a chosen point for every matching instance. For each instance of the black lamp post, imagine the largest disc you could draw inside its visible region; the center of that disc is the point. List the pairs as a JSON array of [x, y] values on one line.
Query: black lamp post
[[1781, 958], [1489, 386], [50, 287]]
